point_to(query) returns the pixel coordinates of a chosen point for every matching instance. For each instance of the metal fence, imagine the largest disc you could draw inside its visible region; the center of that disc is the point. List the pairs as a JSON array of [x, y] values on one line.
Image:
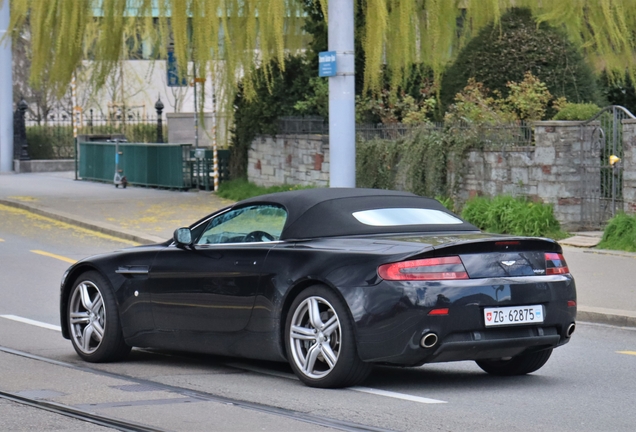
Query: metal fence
[[500, 135], [50, 136]]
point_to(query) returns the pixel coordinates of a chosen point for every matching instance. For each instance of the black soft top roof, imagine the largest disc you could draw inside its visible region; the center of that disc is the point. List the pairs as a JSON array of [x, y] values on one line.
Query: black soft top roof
[[327, 212]]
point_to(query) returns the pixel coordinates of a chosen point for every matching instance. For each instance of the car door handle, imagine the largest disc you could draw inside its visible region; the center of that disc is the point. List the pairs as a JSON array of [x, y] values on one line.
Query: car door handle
[[244, 262], [132, 270]]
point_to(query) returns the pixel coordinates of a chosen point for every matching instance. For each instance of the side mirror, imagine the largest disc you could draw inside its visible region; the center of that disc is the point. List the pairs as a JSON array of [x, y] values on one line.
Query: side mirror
[[182, 237]]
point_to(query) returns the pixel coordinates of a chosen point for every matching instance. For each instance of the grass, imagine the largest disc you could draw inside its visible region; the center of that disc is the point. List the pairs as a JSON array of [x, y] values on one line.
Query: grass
[[620, 233], [241, 189], [516, 216]]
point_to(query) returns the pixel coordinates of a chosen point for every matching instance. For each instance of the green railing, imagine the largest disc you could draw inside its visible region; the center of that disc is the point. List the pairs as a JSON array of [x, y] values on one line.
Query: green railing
[[172, 166], [202, 168]]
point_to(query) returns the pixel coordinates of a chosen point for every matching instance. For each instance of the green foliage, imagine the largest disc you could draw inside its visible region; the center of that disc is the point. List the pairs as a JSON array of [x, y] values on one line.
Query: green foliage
[[50, 142], [395, 33], [241, 189], [56, 142], [505, 51], [473, 105], [516, 216], [418, 162], [317, 100], [620, 233], [389, 107], [618, 89], [274, 97], [577, 111], [529, 98]]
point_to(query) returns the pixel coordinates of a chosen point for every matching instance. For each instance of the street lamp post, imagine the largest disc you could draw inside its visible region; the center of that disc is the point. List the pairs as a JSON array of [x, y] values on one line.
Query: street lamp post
[[6, 93], [342, 117]]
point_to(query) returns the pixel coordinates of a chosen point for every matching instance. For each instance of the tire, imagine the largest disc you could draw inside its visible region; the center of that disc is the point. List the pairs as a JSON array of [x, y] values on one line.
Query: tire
[[93, 320], [519, 365], [321, 349]]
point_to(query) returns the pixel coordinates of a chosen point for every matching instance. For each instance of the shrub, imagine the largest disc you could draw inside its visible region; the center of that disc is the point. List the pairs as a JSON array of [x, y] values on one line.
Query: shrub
[[509, 215], [577, 111], [505, 52], [56, 141], [620, 233], [418, 162], [273, 98], [50, 142]]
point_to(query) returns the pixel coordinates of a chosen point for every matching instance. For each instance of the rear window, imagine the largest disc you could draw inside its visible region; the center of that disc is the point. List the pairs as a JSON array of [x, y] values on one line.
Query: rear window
[[405, 216]]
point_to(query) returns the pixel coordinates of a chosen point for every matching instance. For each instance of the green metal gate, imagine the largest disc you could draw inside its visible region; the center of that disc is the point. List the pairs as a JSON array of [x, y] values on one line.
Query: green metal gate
[[601, 166]]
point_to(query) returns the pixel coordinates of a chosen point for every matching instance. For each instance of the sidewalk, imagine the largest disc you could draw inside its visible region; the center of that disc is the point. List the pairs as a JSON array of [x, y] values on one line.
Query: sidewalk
[[144, 215], [605, 279]]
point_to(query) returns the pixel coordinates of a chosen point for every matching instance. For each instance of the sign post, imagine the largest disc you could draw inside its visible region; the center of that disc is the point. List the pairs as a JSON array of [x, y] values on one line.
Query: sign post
[[327, 66]]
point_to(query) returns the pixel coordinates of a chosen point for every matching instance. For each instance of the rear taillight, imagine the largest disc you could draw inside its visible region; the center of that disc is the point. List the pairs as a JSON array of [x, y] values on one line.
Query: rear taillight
[[555, 264], [445, 268]]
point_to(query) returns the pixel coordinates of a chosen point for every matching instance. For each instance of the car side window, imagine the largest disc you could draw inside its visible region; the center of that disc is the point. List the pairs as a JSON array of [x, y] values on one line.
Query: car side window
[[250, 224]]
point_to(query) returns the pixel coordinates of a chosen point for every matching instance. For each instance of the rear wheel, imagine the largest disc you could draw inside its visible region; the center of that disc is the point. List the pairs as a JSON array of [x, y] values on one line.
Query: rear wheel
[[518, 365], [93, 320], [320, 342]]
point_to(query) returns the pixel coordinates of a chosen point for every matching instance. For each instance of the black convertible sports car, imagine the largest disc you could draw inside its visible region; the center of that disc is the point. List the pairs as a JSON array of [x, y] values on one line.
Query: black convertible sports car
[[333, 281]]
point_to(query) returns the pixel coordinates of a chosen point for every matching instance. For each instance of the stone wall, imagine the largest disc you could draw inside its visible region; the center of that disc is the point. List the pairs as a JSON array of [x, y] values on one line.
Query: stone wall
[[551, 171], [628, 164], [289, 159]]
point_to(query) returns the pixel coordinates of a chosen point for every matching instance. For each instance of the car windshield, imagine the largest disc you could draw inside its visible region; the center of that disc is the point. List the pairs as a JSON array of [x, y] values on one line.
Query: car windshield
[[405, 216]]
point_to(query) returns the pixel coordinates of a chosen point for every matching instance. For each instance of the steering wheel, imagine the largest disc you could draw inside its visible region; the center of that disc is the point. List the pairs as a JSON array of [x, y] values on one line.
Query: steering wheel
[[258, 236]]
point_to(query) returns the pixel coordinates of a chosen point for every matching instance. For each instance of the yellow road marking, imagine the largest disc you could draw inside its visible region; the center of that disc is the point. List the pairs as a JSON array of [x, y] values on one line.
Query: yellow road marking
[[63, 225], [627, 352], [60, 257], [1, 240]]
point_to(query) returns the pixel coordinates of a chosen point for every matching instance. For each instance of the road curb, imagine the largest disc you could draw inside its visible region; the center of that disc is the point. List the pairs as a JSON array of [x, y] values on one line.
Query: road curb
[[111, 230], [613, 317]]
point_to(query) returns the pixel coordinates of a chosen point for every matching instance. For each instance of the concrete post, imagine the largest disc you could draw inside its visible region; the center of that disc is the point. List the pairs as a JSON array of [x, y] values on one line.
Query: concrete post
[[6, 94], [342, 116]]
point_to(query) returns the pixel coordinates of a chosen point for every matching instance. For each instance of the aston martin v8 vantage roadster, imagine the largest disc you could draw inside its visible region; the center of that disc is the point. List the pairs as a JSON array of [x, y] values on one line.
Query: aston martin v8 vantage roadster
[[331, 281]]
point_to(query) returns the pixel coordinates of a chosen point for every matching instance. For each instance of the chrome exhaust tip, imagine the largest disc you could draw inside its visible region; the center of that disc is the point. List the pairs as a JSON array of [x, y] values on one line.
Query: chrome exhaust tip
[[570, 330], [429, 340]]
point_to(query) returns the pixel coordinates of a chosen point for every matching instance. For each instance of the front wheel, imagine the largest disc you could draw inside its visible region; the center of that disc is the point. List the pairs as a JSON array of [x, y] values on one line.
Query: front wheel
[[518, 365], [93, 320], [320, 342]]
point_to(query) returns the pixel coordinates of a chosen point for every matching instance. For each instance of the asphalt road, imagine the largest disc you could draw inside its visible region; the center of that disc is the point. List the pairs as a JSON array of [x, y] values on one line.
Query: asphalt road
[[588, 385]]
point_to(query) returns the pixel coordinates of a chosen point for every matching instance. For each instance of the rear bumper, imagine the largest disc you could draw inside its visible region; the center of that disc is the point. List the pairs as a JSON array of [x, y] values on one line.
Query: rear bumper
[[394, 317]]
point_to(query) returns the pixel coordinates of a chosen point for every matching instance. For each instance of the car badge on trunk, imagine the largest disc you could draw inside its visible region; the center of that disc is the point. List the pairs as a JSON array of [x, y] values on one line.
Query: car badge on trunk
[[508, 263]]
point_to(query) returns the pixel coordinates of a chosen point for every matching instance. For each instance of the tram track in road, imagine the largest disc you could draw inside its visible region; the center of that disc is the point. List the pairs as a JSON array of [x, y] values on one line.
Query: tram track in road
[[79, 414], [72, 411]]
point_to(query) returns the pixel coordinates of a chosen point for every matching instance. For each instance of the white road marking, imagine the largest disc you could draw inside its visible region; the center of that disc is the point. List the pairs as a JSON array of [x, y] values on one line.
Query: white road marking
[[372, 391], [396, 395], [32, 322], [368, 390]]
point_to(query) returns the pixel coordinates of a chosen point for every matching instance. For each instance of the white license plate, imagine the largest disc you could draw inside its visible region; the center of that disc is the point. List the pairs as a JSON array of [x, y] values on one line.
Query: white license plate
[[513, 315]]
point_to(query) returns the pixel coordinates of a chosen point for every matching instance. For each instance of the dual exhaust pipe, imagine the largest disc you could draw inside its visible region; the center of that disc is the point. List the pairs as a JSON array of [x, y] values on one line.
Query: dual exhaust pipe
[[570, 330], [429, 340]]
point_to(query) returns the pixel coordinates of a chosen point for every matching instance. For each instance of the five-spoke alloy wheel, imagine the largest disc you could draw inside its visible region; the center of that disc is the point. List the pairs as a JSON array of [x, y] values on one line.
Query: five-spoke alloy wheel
[[93, 321], [320, 341]]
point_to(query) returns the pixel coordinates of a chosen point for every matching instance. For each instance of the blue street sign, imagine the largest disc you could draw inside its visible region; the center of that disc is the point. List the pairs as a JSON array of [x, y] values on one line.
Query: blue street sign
[[173, 73], [327, 64]]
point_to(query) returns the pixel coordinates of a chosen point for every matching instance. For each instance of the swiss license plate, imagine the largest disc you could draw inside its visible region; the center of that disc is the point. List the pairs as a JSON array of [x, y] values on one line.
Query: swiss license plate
[[513, 315]]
